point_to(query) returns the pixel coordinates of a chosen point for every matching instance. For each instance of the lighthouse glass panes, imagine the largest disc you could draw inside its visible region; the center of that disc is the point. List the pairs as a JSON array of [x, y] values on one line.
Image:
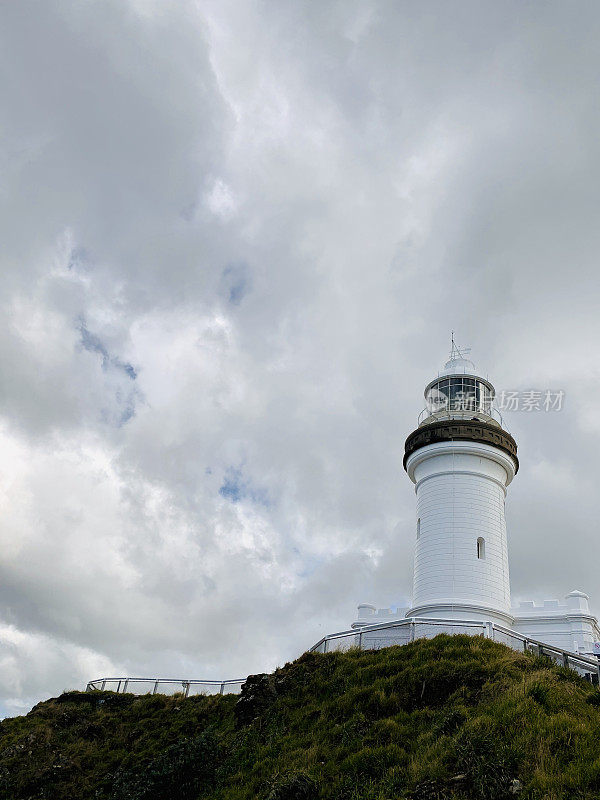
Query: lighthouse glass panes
[[460, 393]]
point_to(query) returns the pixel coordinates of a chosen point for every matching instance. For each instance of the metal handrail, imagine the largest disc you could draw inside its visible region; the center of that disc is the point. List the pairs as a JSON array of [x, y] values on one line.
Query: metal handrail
[[399, 624], [566, 658], [575, 661], [100, 684], [549, 649]]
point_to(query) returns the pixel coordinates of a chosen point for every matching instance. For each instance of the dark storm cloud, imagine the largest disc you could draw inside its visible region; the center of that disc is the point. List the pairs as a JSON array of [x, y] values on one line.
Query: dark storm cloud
[[235, 239]]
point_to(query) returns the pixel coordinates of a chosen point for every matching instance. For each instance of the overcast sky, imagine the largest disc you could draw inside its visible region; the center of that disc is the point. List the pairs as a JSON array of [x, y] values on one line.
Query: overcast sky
[[235, 237]]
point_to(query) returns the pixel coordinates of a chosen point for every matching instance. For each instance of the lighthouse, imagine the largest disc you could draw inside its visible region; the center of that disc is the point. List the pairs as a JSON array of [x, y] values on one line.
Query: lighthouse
[[461, 461]]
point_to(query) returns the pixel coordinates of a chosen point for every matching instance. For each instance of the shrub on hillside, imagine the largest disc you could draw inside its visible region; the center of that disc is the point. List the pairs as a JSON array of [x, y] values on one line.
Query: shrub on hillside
[[182, 772], [297, 787]]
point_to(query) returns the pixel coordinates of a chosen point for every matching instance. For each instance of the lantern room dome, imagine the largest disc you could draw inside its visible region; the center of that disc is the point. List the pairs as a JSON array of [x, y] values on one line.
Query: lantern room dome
[[458, 366]]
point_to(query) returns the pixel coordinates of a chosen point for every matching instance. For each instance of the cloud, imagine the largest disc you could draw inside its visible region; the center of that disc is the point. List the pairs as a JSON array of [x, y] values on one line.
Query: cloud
[[236, 237]]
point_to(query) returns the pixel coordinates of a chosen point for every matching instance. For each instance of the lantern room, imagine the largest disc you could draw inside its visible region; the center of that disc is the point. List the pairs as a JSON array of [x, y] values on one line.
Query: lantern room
[[458, 392]]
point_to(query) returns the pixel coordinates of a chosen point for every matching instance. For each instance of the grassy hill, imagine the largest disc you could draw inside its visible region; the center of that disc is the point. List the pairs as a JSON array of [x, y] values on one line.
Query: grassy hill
[[453, 717]]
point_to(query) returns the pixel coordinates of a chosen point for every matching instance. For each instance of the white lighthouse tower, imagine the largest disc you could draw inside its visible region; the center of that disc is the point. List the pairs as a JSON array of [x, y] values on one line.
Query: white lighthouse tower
[[461, 461]]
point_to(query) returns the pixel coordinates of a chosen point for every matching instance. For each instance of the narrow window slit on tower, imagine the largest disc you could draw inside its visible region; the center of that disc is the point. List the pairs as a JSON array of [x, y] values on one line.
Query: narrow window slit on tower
[[480, 547], [418, 527]]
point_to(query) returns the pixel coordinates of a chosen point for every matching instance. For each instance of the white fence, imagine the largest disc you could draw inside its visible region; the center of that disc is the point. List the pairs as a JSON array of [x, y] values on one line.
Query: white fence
[[374, 637], [371, 637], [141, 686]]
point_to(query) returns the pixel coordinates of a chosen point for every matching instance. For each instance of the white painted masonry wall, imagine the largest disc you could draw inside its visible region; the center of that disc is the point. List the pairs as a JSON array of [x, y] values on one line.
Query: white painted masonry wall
[[460, 488], [569, 625]]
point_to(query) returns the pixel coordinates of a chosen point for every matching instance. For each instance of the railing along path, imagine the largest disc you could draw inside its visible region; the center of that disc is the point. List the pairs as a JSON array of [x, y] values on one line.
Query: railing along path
[[369, 637], [187, 688]]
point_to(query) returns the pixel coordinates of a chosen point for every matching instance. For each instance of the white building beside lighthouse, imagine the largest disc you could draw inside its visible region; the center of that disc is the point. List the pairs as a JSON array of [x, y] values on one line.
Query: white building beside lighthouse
[[461, 461]]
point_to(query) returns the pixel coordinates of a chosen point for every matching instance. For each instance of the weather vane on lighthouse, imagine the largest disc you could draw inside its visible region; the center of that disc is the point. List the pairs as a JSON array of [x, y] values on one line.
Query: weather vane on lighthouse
[[456, 351]]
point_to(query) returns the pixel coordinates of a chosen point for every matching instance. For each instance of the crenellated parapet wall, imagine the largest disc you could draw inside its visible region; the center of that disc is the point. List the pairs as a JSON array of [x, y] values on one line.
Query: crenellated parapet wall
[[569, 624]]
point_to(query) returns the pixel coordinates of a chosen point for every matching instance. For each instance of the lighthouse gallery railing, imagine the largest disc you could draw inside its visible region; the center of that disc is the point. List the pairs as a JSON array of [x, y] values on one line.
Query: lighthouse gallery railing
[[370, 637]]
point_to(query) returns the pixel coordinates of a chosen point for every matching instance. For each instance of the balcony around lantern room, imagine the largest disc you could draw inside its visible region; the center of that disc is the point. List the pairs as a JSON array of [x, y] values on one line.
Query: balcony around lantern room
[[463, 397]]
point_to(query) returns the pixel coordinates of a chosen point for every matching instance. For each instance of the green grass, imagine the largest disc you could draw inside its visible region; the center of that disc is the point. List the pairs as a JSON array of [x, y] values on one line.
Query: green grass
[[452, 717]]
